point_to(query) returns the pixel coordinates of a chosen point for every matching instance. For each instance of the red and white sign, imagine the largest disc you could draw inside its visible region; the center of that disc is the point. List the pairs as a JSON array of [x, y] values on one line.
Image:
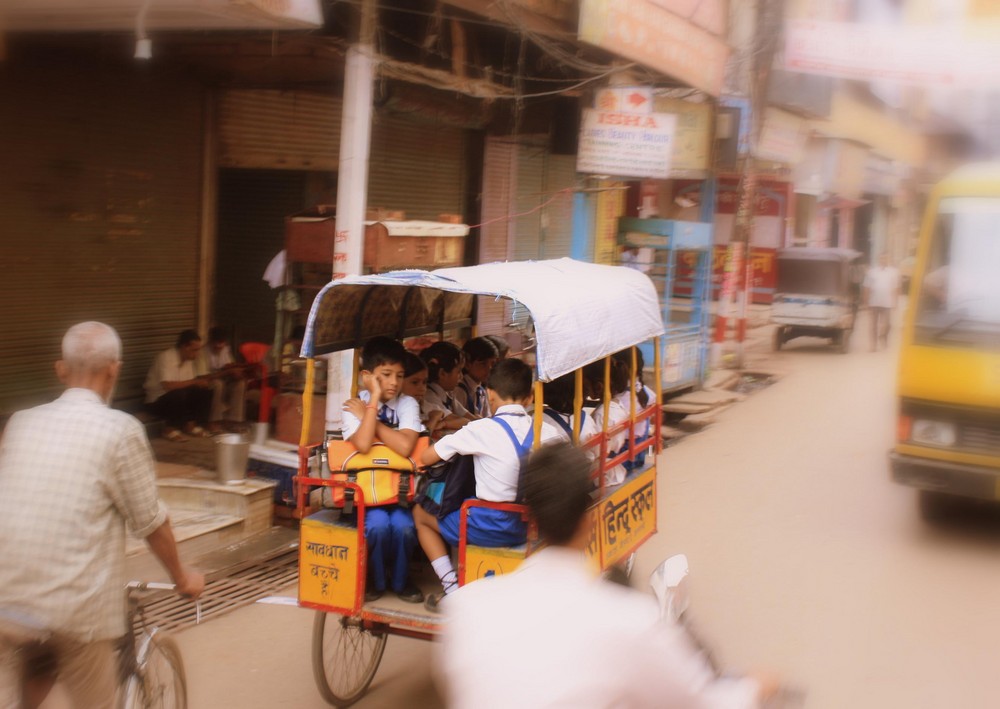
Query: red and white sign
[[637, 99]]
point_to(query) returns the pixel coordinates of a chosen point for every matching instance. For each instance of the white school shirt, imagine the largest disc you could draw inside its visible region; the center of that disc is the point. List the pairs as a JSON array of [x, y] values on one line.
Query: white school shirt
[[882, 285], [618, 413], [448, 402], [468, 388], [625, 401], [565, 638], [405, 408], [588, 429], [496, 463], [167, 367]]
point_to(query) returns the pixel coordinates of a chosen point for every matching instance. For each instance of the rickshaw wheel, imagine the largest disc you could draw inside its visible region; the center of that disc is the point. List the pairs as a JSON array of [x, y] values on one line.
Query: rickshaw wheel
[[345, 657]]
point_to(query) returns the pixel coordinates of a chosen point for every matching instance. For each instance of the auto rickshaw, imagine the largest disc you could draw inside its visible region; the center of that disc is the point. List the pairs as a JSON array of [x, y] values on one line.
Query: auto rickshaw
[[817, 295]]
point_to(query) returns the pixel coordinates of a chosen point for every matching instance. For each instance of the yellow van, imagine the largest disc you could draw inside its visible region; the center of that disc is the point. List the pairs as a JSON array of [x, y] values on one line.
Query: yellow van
[[948, 435]]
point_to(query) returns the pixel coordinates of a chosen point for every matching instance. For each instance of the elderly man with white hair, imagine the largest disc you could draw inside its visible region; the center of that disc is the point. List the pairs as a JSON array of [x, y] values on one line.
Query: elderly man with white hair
[[73, 474]]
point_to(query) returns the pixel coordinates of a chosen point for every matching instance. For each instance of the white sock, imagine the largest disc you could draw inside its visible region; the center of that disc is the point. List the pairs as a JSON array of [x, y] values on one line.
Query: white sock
[[446, 572]]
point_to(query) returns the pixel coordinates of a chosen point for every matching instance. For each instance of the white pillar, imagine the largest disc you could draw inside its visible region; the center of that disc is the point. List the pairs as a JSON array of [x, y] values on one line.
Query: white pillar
[[352, 192]]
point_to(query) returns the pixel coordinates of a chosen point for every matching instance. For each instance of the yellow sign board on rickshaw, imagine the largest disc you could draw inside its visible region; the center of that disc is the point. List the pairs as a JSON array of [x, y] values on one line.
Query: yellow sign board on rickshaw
[[627, 518], [328, 562]]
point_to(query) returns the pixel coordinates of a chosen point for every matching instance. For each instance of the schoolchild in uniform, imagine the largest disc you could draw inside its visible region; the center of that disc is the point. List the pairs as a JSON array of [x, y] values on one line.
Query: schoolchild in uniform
[[382, 412], [497, 464], [643, 397], [480, 357], [593, 375], [415, 385], [503, 347], [444, 371], [559, 394]]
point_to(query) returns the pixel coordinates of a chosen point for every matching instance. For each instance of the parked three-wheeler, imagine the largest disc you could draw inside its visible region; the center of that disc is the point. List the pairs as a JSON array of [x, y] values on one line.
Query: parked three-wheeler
[[817, 295], [581, 313]]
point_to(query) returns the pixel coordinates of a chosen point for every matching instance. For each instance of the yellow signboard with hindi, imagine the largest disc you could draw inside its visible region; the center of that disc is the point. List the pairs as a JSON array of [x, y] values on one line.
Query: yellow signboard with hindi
[[328, 562], [627, 517]]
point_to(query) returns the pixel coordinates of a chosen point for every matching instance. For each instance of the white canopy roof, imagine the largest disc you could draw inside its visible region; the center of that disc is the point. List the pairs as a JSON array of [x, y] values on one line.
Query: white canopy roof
[[582, 312]]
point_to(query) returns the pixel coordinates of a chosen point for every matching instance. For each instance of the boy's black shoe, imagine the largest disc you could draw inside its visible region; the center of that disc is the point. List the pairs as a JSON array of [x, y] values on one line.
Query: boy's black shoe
[[411, 594], [372, 595], [433, 602]]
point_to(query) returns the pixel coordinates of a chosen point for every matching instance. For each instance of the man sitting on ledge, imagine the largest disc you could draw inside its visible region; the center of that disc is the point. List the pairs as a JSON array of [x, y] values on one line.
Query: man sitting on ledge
[[176, 393]]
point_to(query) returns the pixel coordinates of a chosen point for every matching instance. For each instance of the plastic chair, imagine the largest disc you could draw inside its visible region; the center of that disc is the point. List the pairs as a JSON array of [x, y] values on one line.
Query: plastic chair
[[256, 353]]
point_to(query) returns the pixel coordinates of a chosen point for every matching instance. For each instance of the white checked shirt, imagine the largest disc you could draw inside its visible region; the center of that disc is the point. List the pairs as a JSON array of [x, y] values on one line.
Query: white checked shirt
[[565, 638], [73, 473]]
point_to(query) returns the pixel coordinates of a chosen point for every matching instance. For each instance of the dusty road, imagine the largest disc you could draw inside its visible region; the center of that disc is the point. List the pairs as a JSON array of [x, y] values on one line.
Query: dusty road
[[805, 559]]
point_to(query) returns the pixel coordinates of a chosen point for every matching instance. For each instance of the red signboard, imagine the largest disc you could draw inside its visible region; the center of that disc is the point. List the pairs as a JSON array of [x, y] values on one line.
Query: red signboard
[[763, 277]]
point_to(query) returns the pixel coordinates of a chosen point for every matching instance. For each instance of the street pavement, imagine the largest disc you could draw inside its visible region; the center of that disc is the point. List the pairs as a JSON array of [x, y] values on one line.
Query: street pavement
[[805, 560]]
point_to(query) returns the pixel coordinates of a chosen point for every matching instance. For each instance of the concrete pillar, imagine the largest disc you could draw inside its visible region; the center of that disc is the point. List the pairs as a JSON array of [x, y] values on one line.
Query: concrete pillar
[[352, 193]]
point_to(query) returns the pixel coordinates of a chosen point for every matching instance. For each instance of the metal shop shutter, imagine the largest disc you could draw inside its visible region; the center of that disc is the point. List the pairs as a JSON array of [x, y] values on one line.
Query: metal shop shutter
[[545, 229], [99, 217], [280, 130], [416, 167], [499, 183]]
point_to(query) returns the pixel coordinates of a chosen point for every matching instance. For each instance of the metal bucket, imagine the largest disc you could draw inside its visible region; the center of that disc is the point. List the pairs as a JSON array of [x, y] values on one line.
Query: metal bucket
[[232, 452]]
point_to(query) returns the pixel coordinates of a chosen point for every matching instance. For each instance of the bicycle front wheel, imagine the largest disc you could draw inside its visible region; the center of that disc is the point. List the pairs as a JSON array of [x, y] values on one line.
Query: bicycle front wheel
[[158, 681], [345, 658]]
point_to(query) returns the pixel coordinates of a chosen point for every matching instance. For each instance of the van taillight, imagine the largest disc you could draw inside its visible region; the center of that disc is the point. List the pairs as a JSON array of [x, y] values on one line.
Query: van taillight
[[903, 427]]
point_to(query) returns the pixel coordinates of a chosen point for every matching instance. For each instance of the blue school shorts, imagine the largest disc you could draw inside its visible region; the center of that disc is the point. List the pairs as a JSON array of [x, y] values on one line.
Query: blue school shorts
[[486, 528]]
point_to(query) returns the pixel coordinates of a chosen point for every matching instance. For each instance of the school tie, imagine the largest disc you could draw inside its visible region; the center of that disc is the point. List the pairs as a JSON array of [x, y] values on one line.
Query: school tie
[[480, 399], [387, 415]]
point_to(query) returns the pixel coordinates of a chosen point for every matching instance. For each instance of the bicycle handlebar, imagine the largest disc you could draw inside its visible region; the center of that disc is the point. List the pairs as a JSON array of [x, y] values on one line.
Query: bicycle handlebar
[[149, 586]]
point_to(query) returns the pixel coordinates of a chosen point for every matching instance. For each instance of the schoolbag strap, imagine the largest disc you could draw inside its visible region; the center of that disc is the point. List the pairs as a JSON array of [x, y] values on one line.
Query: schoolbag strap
[[557, 417], [522, 448]]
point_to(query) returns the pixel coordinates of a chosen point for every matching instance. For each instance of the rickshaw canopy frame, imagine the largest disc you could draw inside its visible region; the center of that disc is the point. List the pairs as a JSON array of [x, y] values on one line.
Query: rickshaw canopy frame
[[581, 311]]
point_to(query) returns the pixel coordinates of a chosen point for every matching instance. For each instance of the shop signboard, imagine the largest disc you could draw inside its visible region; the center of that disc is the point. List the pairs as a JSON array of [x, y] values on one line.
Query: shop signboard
[[782, 137], [692, 136], [763, 274], [626, 144], [610, 206], [657, 34]]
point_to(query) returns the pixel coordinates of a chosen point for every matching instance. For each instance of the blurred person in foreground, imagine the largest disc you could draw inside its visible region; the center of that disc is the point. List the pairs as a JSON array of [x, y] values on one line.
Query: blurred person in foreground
[[73, 474], [554, 634]]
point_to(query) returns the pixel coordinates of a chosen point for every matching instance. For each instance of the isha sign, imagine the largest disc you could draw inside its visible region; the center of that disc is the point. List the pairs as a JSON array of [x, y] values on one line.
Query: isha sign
[[626, 144]]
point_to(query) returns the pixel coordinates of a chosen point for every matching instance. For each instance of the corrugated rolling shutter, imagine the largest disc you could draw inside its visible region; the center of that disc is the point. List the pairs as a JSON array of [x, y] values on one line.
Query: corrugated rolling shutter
[[560, 175], [545, 229], [529, 197], [499, 183], [283, 130], [253, 205], [416, 167], [99, 216]]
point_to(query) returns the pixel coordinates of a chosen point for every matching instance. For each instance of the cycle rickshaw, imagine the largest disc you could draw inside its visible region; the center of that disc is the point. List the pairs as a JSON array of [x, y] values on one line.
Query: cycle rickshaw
[[581, 313]]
